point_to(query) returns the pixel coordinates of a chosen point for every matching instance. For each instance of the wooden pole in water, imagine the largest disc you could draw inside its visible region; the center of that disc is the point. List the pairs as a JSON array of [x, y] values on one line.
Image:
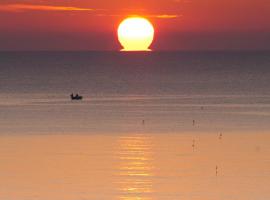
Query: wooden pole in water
[[220, 136]]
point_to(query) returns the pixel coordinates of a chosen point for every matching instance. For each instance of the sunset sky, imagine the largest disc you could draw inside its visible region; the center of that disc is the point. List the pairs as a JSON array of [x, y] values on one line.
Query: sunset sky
[[92, 24]]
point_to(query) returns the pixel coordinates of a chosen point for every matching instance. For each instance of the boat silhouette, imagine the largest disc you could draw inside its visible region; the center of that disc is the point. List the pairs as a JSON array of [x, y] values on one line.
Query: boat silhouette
[[76, 97]]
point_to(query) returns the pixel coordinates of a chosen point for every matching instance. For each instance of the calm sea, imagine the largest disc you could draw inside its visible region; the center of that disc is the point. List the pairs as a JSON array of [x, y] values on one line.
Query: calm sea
[[168, 90], [151, 126]]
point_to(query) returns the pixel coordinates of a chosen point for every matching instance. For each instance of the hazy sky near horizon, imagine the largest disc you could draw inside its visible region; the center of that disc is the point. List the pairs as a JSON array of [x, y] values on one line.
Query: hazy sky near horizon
[[92, 24]]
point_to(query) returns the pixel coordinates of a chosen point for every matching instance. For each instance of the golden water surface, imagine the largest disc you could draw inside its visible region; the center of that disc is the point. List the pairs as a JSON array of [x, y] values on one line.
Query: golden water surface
[[135, 167]]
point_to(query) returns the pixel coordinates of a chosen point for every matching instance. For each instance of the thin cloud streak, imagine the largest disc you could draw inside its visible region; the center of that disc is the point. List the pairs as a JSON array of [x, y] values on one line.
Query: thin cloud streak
[[34, 7], [163, 16], [166, 16], [39, 7]]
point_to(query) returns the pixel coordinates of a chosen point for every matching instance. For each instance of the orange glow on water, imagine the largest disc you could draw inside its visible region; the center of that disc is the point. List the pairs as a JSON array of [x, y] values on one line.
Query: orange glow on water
[[135, 167]]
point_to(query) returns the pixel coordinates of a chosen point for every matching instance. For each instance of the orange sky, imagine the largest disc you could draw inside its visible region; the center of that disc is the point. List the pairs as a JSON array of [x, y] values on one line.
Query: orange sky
[[91, 24]]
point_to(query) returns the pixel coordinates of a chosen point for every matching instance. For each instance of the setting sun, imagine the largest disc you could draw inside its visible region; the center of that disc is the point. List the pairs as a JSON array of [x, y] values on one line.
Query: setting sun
[[135, 34]]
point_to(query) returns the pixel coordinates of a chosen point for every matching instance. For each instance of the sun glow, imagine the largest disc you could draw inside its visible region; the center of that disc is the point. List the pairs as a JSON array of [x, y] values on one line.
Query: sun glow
[[135, 34]]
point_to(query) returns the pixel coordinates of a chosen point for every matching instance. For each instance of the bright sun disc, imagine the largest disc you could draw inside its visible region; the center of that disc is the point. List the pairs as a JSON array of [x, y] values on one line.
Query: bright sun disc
[[136, 34]]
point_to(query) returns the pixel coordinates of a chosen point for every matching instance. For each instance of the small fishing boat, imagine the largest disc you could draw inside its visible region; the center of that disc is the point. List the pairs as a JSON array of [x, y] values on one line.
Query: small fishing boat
[[76, 97]]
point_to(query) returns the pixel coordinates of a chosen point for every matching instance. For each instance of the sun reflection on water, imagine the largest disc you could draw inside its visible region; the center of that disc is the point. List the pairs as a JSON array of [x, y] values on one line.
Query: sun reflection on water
[[135, 169]]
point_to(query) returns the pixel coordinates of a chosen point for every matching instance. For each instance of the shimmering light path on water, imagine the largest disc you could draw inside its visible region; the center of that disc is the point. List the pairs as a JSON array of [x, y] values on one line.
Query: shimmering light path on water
[[135, 166]]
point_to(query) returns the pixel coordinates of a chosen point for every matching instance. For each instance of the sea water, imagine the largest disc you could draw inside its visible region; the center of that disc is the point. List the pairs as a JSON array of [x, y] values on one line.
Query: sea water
[[168, 90], [151, 125]]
